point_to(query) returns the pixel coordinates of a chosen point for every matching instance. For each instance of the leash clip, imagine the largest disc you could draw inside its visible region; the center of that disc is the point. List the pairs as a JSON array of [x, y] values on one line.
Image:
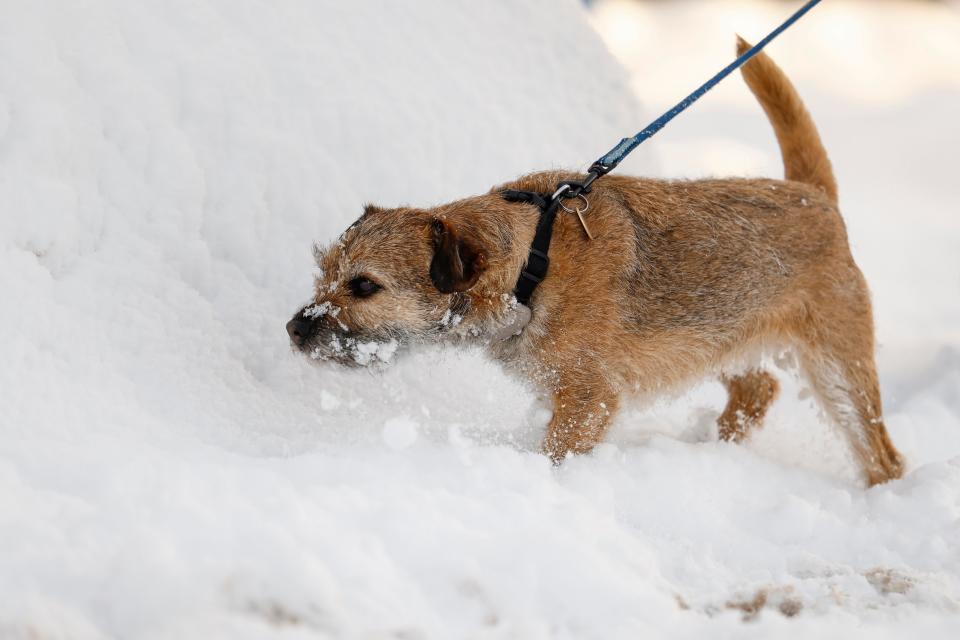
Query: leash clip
[[578, 189], [574, 188]]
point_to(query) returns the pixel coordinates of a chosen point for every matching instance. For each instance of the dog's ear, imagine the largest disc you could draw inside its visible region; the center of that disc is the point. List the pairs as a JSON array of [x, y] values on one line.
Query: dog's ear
[[457, 262]]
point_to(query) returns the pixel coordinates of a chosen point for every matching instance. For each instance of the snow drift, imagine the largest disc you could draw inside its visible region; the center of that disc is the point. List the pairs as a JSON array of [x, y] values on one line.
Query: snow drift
[[168, 469]]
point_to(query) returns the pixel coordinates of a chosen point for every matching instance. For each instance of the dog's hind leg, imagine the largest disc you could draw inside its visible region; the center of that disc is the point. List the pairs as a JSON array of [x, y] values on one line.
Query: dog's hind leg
[[750, 395], [838, 358]]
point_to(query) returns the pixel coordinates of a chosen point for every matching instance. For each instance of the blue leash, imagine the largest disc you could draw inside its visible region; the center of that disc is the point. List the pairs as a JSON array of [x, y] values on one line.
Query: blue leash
[[538, 261], [625, 146], [612, 158]]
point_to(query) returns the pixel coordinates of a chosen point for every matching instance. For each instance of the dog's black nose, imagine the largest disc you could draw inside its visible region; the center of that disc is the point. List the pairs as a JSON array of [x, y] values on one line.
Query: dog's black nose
[[299, 330]]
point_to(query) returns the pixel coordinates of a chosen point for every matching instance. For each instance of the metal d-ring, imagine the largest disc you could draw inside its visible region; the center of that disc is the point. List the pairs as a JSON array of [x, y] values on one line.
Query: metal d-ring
[[579, 212]]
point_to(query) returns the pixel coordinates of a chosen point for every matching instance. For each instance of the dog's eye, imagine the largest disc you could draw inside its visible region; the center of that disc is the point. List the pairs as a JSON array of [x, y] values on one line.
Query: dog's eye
[[363, 287]]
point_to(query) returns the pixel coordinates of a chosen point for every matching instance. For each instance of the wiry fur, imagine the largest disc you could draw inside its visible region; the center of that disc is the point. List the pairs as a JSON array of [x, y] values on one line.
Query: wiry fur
[[682, 278]]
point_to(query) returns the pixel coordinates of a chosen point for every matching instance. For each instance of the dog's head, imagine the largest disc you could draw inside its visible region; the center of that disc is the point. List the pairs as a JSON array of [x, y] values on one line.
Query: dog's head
[[394, 276]]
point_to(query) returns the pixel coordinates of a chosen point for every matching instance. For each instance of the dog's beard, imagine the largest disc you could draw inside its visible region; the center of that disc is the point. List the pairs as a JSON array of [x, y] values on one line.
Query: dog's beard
[[334, 343], [354, 351]]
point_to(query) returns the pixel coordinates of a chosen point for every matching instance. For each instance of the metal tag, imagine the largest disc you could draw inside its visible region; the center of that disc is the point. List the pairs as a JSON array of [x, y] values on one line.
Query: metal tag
[[583, 223], [580, 212]]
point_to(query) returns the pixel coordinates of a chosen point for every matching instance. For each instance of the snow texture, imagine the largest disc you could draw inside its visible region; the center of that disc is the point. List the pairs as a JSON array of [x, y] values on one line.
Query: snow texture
[[170, 469]]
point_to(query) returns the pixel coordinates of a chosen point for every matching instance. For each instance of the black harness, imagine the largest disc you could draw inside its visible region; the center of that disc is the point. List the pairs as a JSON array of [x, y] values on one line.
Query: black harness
[[538, 261]]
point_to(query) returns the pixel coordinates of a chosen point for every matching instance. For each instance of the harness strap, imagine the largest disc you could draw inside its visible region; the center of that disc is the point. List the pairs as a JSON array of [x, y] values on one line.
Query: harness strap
[[538, 262]]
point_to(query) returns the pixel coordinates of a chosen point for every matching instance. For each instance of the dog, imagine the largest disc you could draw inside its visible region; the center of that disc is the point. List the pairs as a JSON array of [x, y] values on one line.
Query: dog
[[682, 279]]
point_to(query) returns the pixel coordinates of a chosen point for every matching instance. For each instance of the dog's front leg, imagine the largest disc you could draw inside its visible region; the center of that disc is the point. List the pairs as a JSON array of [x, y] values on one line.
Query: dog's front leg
[[582, 409]]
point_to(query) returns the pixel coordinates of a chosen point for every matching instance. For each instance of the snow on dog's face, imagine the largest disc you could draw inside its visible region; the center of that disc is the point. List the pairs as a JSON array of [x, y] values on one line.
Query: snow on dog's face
[[384, 283]]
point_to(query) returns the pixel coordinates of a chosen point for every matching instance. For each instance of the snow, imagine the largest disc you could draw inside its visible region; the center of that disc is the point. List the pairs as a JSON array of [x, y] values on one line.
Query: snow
[[400, 432], [169, 469]]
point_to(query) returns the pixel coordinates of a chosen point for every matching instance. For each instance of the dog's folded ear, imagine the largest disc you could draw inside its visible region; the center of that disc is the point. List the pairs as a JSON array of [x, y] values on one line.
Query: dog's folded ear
[[457, 262]]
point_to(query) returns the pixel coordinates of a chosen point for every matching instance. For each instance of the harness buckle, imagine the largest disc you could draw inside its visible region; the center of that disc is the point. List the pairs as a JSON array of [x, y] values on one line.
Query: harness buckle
[[538, 263]]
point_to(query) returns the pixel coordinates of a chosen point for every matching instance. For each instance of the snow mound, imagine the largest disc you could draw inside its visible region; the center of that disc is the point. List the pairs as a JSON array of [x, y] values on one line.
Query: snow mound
[[169, 469]]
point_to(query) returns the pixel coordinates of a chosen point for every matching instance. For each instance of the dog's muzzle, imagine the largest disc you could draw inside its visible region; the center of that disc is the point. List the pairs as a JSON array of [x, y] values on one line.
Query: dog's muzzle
[[316, 332]]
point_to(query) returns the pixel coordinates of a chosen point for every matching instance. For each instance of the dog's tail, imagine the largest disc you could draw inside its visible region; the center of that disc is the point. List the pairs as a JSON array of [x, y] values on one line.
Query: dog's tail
[[804, 158]]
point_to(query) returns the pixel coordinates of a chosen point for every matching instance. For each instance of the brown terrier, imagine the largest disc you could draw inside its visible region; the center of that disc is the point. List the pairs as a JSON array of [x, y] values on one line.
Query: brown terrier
[[682, 279]]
